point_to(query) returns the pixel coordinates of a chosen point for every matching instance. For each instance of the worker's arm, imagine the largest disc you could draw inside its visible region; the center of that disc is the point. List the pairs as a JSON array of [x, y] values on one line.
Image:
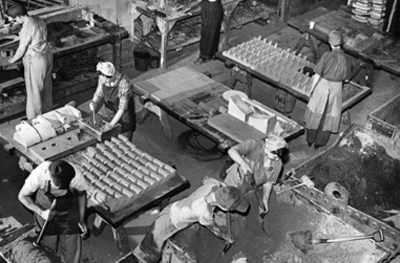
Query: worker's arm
[[22, 47], [82, 201], [114, 121], [243, 164], [97, 96], [25, 197], [267, 190]]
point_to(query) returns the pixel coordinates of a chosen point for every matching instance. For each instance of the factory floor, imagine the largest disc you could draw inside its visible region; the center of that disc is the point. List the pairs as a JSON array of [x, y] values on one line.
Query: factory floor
[[148, 136]]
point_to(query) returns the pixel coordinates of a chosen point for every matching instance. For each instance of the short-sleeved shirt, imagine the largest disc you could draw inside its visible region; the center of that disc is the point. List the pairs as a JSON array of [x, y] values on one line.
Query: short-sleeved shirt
[[194, 208], [254, 151], [124, 91], [333, 66], [34, 35], [41, 174]]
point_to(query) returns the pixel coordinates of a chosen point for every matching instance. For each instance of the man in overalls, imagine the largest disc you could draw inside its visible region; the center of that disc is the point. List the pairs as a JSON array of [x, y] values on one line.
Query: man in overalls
[[116, 92], [37, 60], [66, 222]]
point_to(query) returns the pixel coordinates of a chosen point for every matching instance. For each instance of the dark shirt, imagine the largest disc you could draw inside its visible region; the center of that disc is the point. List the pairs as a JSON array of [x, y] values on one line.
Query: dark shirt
[[333, 66]]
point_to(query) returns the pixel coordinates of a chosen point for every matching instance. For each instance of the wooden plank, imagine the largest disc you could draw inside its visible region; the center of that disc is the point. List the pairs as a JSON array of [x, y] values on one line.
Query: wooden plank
[[235, 128], [62, 145]]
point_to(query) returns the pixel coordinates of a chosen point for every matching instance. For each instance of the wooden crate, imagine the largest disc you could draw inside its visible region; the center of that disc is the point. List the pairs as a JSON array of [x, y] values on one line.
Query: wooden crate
[[385, 119]]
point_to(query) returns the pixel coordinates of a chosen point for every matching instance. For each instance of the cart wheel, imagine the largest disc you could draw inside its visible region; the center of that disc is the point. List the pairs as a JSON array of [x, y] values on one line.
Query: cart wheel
[[337, 192]]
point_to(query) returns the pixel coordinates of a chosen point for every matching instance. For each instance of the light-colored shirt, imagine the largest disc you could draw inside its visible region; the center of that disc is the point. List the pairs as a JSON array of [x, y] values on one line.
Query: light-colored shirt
[[34, 35], [194, 208], [38, 177], [124, 91]]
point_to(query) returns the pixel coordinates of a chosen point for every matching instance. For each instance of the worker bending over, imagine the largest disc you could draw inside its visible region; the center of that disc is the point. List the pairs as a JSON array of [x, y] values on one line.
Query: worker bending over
[[323, 112], [259, 161], [66, 222], [115, 91], [37, 61], [198, 207]]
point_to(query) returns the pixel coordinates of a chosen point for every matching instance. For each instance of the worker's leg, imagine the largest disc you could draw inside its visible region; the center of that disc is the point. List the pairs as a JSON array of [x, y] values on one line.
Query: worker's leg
[[311, 136], [159, 232], [51, 242], [322, 138], [47, 95], [70, 248]]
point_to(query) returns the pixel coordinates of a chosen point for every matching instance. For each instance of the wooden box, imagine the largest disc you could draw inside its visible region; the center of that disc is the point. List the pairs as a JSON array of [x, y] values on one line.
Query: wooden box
[[385, 119]]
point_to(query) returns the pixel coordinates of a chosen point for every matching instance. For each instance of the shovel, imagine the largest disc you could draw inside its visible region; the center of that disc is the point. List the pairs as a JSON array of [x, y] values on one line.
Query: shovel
[[305, 181], [228, 225], [39, 238], [303, 240], [250, 177]]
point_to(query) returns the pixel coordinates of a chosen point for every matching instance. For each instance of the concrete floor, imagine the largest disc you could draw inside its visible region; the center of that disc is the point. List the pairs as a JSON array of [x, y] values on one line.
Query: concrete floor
[[148, 136]]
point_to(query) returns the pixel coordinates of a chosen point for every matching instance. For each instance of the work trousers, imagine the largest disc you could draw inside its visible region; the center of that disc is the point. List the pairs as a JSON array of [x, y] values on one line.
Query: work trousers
[[212, 14], [68, 247], [38, 82], [318, 136], [160, 231]]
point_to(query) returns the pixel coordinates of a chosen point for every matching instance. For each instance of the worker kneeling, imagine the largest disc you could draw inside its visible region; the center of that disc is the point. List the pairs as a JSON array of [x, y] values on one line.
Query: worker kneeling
[[257, 163], [198, 207]]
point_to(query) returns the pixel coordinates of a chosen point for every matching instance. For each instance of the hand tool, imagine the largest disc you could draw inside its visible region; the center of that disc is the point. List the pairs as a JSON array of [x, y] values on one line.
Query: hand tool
[[228, 224], [303, 239], [39, 238], [94, 118], [305, 181], [250, 177]]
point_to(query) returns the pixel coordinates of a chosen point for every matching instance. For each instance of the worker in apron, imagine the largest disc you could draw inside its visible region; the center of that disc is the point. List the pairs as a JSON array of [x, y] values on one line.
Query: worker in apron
[[37, 61], [115, 91], [200, 208], [259, 159], [323, 112], [66, 221], [212, 14]]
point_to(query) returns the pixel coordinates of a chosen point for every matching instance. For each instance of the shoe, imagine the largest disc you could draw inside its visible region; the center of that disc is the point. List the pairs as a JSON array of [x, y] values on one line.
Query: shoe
[[316, 146], [200, 61]]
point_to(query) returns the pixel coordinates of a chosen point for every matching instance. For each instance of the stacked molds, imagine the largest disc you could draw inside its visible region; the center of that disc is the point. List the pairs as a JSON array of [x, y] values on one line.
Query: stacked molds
[[118, 168], [280, 65]]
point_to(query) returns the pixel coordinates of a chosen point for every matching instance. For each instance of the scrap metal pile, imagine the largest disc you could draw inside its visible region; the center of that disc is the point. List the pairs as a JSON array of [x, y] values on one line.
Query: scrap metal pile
[[117, 168], [281, 65]]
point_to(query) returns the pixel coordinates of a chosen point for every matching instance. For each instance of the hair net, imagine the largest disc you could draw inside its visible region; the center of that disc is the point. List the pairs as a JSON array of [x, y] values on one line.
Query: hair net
[[107, 68], [274, 142]]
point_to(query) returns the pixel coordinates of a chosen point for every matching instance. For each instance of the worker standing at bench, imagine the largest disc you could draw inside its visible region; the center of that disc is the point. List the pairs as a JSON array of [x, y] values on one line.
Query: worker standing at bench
[[37, 61], [323, 112], [66, 222], [116, 92], [198, 207]]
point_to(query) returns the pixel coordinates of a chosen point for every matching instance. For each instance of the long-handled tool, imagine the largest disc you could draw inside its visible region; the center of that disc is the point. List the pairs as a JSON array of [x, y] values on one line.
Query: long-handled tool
[[250, 177], [94, 118], [305, 181], [39, 238], [228, 225], [303, 240]]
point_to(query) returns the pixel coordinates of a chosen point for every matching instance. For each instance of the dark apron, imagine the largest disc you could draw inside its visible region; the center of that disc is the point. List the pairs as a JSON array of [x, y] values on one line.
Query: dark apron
[[111, 103], [66, 219]]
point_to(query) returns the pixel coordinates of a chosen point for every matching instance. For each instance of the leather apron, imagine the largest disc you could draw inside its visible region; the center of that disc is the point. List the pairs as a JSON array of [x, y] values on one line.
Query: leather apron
[[111, 103], [66, 218]]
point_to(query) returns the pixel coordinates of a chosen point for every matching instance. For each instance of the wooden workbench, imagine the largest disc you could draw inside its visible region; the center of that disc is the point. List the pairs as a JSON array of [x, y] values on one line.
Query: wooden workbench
[[113, 212], [76, 36], [189, 32], [194, 99], [352, 92], [383, 54]]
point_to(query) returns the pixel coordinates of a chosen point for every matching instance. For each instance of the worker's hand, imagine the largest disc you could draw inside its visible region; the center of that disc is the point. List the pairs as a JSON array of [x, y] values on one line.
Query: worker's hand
[[84, 229], [240, 260], [47, 214], [262, 212], [229, 240], [91, 106], [11, 60], [245, 168], [107, 127]]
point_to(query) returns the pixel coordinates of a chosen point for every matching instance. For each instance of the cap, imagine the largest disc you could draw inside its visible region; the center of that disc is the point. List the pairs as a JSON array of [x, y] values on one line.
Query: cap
[[231, 198], [107, 68], [274, 142], [62, 173], [335, 38]]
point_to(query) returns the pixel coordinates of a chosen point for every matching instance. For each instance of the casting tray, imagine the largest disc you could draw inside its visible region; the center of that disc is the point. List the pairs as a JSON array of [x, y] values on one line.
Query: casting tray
[[197, 244]]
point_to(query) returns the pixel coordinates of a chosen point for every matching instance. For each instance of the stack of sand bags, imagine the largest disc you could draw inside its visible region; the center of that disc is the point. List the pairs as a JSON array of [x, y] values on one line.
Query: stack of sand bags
[[361, 10], [377, 14]]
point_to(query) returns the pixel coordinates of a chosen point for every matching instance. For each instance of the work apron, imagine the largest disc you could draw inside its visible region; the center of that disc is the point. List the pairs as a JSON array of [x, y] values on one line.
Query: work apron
[[38, 68], [66, 218], [111, 103]]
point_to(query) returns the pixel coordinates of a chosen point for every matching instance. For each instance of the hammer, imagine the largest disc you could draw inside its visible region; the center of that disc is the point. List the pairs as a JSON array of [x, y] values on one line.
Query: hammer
[[39, 238]]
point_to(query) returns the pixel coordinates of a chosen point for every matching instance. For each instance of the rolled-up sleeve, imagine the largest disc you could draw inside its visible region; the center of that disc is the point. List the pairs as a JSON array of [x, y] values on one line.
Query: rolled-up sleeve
[[125, 93]]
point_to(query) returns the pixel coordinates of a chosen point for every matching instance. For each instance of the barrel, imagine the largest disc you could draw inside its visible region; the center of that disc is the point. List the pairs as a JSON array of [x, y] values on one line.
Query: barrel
[[284, 102], [142, 59]]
